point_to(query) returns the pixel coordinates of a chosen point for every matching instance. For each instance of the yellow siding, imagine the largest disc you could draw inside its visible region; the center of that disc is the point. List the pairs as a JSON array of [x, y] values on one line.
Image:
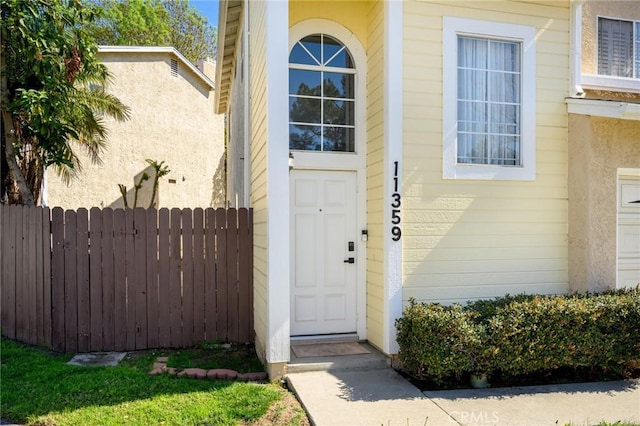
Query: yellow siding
[[375, 142], [258, 187], [465, 239], [350, 14]]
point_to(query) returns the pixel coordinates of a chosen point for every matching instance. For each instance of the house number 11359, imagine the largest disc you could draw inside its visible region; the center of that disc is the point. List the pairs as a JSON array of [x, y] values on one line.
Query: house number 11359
[[396, 203]]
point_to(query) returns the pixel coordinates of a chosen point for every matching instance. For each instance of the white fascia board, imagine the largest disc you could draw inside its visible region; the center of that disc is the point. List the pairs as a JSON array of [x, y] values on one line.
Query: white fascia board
[[141, 50], [278, 244], [607, 109], [392, 116]]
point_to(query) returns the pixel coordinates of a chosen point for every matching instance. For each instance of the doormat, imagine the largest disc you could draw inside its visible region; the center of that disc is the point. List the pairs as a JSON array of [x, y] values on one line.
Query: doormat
[[328, 349]]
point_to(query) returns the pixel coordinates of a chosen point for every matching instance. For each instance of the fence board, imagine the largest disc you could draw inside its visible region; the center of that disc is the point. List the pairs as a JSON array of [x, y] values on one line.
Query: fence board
[[84, 293], [29, 284], [9, 271], [57, 280], [20, 317], [120, 289], [198, 275], [164, 308], [221, 274], [38, 260], [210, 275], [140, 277], [70, 283], [46, 275], [125, 279], [108, 281], [187, 278], [175, 292], [232, 277], [244, 284], [95, 272], [152, 278], [130, 262]]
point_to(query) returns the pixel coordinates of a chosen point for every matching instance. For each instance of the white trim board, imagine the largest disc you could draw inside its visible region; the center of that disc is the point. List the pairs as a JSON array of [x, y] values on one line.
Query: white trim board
[[278, 242], [607, 109], [393, 133]]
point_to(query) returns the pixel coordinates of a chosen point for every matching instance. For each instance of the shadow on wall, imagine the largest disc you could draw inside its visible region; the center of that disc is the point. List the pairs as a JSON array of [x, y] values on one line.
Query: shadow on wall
[[219, 184], [144, 192]]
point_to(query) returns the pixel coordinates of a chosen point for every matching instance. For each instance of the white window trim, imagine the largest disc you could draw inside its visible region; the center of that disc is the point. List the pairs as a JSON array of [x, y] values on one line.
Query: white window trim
[[610, 82], [452, 27], [331, 160]]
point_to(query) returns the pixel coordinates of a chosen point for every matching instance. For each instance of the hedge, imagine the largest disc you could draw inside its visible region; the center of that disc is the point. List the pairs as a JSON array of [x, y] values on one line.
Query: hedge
[[522, 334]]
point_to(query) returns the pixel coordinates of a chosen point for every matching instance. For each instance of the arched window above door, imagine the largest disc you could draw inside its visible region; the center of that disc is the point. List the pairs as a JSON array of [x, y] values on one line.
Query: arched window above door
[[321, 95]]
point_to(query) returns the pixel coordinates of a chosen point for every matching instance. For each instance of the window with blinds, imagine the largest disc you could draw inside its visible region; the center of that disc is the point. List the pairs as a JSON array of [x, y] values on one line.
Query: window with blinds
[[618, 48]]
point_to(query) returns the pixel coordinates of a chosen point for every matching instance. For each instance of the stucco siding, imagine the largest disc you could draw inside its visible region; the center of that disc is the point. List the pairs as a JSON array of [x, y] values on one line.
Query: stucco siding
[[172, 120], [598, 148], [258, 166], [467, 239], [375, 150], [591, 10]]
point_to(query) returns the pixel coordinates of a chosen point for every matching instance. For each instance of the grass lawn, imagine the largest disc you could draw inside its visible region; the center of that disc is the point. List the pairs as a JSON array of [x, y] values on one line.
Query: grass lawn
[[39, 388]]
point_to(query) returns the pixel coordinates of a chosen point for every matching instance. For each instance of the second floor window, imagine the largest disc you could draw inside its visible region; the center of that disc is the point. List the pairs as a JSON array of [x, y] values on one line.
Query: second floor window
[[619, 48]]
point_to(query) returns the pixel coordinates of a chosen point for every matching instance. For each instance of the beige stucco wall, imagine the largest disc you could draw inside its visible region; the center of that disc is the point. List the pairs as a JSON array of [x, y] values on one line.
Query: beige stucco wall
[[466, 239], [629, 9], [597, 148], [172, 120]]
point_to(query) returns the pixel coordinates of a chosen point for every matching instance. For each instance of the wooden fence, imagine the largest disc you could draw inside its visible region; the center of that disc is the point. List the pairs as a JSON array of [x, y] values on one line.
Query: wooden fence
[[103, 280]]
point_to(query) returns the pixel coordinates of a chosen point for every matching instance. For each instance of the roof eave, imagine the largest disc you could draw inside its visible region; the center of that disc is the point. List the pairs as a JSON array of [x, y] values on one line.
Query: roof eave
[[160, 49], [228, 27]]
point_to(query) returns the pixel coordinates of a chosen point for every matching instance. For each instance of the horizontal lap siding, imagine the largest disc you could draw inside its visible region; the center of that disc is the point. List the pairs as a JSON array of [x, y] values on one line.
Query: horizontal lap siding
[[258, 169], [465, 239], [375, 150]]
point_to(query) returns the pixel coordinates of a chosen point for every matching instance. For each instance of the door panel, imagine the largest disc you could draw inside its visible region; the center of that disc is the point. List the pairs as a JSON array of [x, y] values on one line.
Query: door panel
[[323, 221]]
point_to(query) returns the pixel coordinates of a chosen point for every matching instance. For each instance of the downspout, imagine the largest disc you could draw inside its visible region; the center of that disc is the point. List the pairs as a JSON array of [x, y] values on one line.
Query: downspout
[[575, 89], [247, 109]]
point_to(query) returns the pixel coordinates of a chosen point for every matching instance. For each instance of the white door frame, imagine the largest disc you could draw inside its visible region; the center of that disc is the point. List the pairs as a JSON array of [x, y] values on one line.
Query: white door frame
[[349, 162], [623, 175]]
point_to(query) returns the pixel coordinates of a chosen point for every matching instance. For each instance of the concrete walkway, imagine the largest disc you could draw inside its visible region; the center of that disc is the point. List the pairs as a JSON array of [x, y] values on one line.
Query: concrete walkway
[[349, 392]]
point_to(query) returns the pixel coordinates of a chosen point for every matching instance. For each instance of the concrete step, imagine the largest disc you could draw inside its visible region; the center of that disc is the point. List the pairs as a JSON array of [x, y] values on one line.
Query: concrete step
[[370, 361]]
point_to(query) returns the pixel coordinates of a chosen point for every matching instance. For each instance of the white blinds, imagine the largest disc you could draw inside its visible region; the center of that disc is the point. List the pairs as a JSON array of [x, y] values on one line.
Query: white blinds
[[615, 47]]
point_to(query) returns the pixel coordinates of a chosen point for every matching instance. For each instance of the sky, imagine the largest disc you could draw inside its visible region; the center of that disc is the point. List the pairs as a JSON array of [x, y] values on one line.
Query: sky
[[208, 9]]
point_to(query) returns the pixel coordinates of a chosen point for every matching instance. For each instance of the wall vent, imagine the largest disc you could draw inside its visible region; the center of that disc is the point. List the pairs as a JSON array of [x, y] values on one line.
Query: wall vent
[[174, 68]]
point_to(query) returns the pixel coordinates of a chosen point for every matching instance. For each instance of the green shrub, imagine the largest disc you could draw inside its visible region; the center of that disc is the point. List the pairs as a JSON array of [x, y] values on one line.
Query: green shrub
[[435, 340], [522, 335]]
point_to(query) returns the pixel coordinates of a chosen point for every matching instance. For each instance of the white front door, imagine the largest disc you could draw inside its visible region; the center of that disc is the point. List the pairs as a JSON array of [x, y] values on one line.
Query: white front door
[[323, 252], [628, 232]]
